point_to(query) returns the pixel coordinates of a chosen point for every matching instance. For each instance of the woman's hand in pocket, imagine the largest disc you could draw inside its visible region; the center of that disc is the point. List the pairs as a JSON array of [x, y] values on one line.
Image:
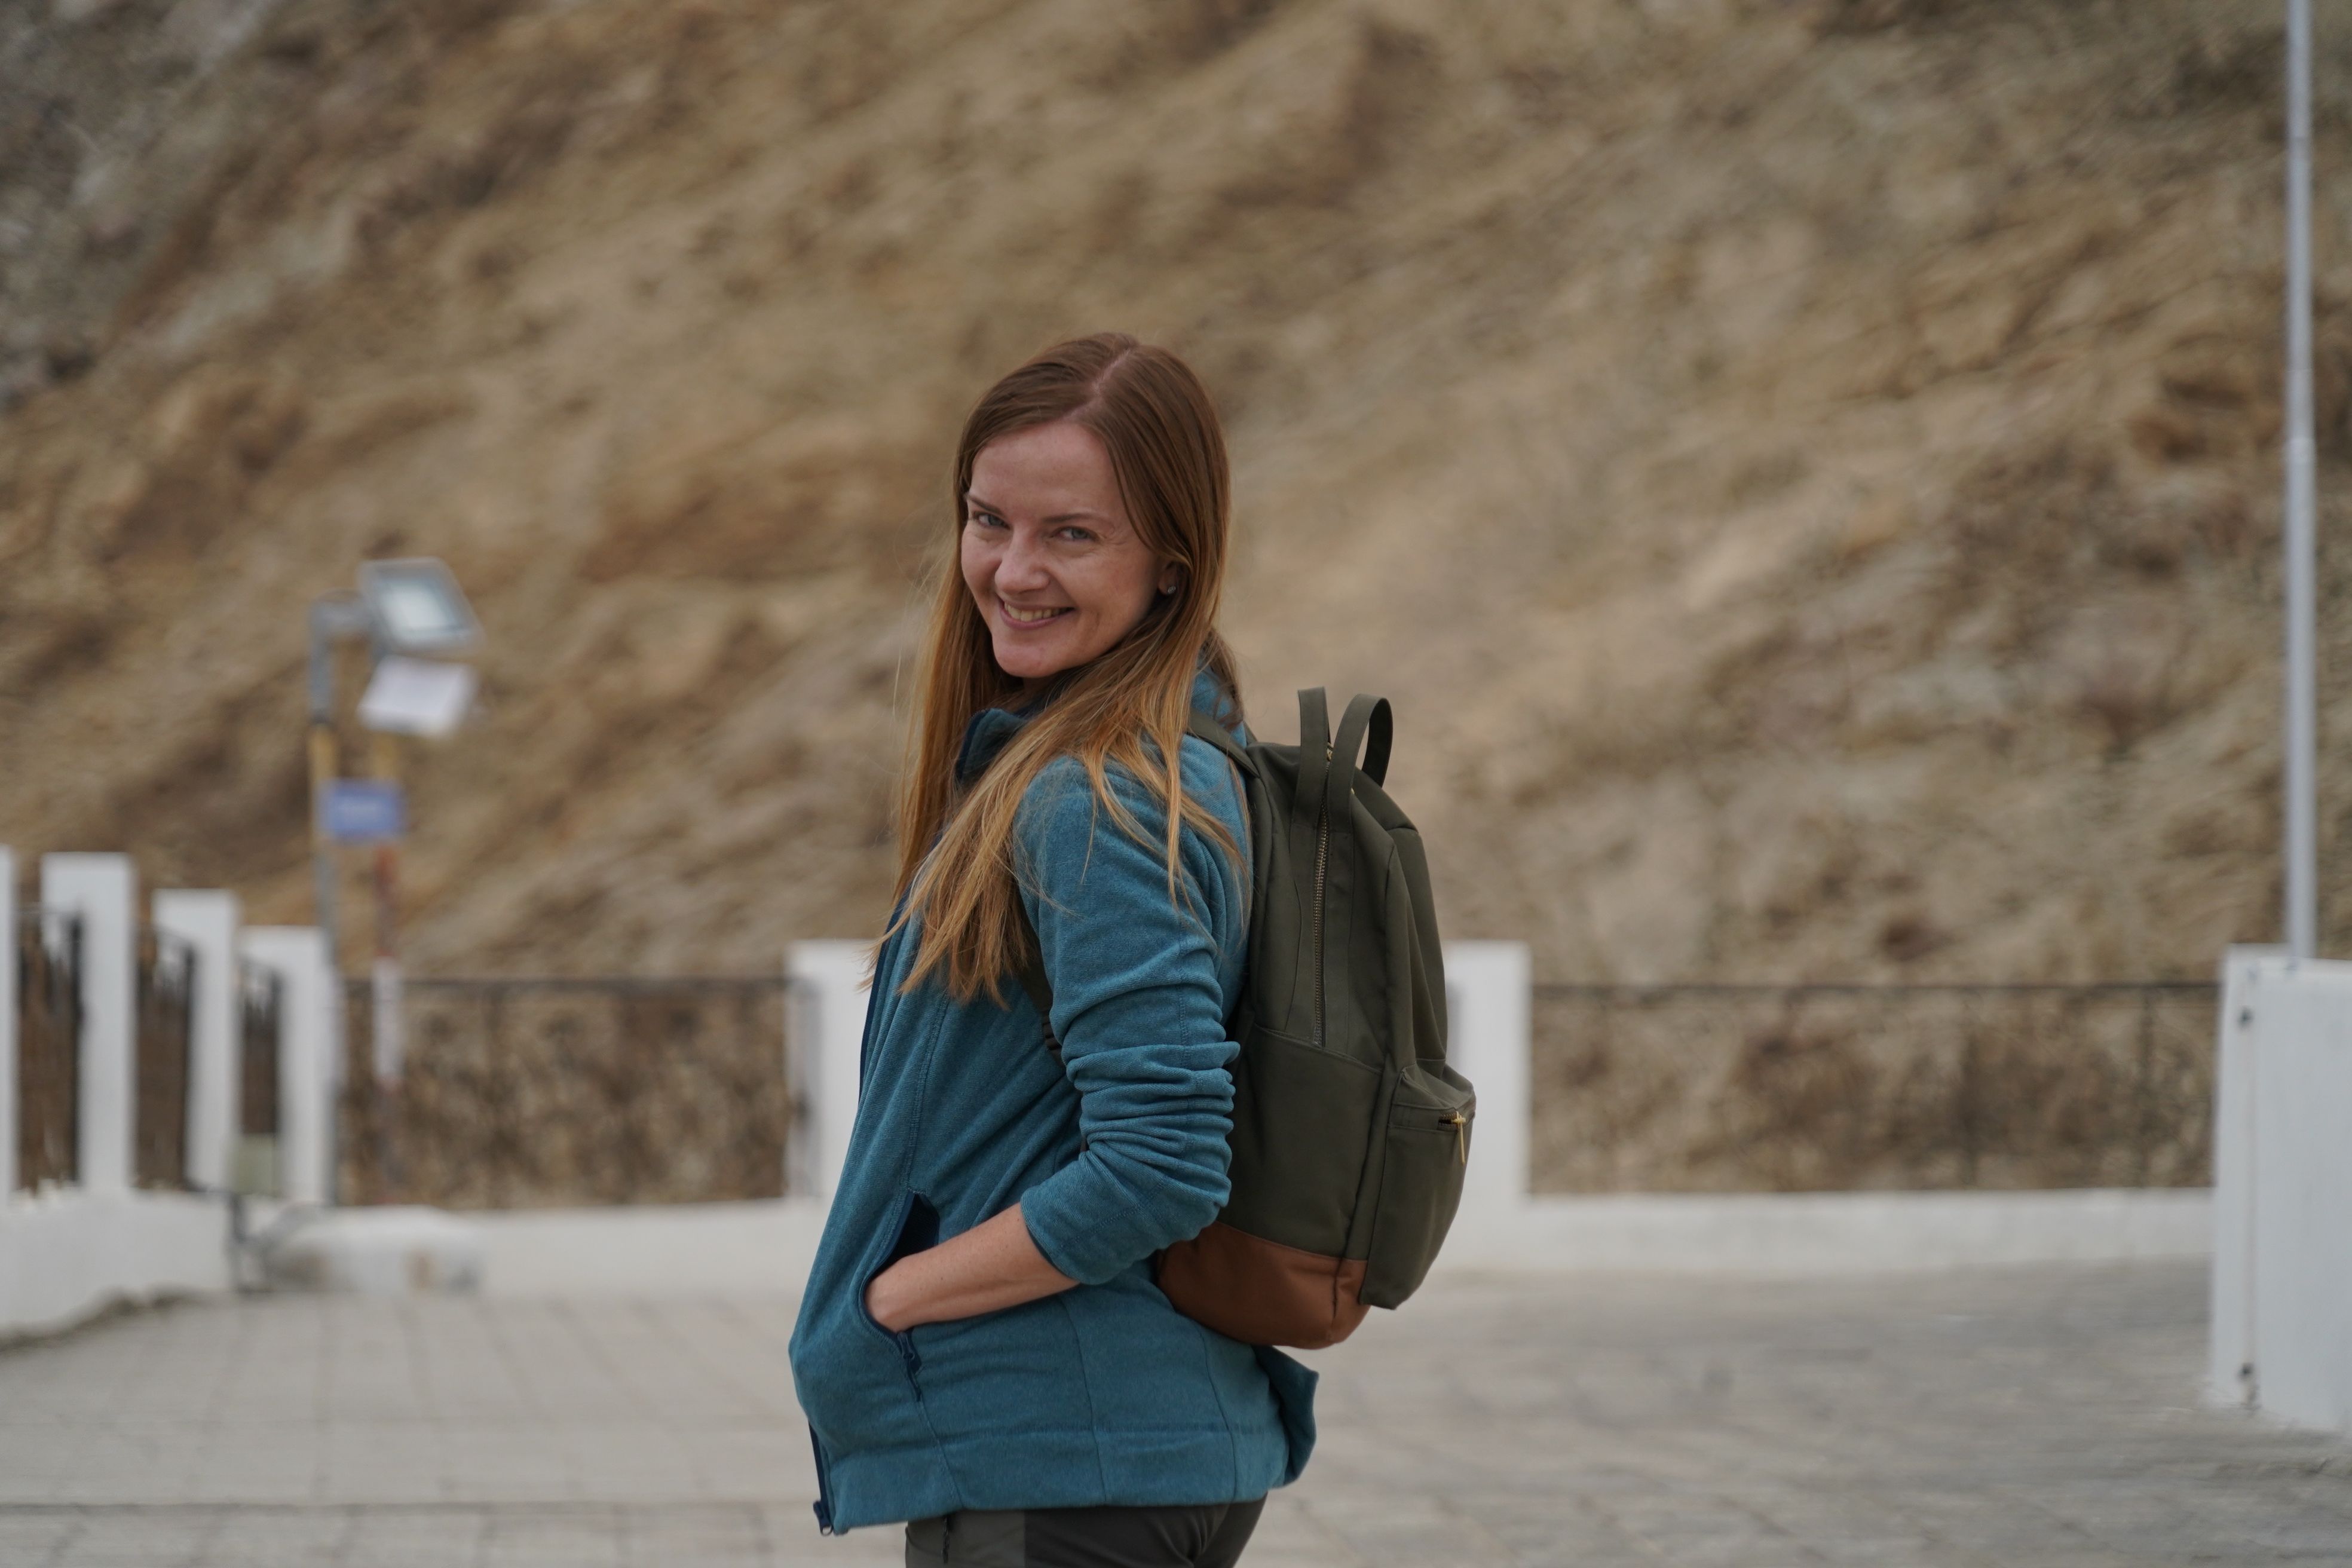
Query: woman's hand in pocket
[[992, 1266], [883, 1297]]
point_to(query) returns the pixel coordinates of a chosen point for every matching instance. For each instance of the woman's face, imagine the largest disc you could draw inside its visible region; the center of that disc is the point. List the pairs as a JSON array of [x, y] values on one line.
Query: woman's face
[[1048, 554]]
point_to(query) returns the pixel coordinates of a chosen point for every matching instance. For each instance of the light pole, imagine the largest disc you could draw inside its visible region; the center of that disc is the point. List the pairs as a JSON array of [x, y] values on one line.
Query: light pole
[[413, 616], [2302, 488]]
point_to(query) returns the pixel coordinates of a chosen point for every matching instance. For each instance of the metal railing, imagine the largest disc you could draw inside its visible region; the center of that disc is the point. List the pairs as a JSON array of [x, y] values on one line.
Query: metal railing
[[164, 1040], [1816, 1087], [535, 1092], [48, 955], [261, 1002], [260, 1026]]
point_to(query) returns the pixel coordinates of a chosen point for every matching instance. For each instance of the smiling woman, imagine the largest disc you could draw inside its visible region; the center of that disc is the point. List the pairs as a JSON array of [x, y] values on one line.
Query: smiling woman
[[980, 1350], [1051, 563]]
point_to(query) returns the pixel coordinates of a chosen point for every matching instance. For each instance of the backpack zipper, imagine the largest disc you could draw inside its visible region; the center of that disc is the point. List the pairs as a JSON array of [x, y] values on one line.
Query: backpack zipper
[[1461, 1125], [1322, 848]]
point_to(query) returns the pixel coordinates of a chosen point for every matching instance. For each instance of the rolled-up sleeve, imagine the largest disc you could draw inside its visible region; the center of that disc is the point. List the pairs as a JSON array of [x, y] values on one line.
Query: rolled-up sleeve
[[1139, 1008]]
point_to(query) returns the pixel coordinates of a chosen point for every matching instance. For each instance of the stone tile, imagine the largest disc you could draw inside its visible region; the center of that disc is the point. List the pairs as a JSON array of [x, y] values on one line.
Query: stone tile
[[33, 1535], [2046, 1417], [138, 1539]]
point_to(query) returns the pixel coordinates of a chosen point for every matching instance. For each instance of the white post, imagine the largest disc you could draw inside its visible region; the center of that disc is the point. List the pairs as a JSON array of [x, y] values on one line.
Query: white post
[[1487, 1003], [306, 1068], [2231, 1363], [7, 1022], [207, 923], [826, 1009], [2300, 1041], [102, 891]]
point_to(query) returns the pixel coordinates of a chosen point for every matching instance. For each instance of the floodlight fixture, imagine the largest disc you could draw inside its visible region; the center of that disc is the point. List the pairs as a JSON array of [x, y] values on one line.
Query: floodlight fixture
[[425, 698], [417, 607]]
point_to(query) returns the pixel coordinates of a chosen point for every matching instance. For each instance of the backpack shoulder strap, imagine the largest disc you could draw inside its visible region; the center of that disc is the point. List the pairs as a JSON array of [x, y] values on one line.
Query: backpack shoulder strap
[[1201, 727]]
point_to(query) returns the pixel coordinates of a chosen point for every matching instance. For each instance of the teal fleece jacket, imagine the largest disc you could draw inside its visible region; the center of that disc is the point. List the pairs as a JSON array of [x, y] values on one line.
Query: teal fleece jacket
[[1104, 1394]]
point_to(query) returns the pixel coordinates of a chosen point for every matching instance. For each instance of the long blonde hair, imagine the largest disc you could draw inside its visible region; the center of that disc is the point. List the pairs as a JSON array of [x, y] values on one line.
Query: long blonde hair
[[955, 860]]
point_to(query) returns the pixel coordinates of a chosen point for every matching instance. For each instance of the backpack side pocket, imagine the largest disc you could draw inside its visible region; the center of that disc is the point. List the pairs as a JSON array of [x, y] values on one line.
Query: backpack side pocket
[[1428, 1150]]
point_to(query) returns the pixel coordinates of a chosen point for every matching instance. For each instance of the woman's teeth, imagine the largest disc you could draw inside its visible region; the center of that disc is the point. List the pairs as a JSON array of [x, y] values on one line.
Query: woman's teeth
[[1019, 617]]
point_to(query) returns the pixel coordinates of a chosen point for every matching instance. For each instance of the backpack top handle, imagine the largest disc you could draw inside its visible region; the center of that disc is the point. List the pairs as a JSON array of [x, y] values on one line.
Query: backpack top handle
[[1368, 724]]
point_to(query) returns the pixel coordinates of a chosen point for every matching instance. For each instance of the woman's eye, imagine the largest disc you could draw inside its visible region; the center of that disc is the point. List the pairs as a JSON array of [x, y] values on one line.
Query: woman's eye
[[986, 520], [1076, 534]]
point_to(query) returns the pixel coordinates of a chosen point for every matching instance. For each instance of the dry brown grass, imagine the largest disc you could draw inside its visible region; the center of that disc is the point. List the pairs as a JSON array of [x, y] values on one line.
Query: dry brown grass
[[1802, 471]]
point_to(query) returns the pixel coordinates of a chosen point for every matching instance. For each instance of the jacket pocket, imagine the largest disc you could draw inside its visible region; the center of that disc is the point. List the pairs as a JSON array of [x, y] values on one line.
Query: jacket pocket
[[906, 1234], [1427, 1152]]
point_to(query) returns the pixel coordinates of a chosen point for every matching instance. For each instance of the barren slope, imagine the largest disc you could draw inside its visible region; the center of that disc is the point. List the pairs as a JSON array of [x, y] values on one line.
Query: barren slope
[[1804, 472]]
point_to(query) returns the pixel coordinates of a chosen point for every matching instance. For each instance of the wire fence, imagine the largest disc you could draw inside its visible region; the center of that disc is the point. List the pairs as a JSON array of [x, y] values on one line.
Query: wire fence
[[48, 955], [520, 1093], [1820, 1087]]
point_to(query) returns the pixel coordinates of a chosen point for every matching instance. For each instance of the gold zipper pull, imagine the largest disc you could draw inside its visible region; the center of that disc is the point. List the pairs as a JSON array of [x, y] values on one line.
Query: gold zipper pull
[[1461, 1125]]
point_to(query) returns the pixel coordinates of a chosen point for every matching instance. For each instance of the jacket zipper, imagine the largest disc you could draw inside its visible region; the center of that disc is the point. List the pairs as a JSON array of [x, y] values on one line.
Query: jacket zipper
[[823, 1504]]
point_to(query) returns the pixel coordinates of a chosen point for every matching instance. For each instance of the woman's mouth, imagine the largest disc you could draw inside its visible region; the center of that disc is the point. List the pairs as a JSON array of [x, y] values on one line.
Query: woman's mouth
[[1021, 618]]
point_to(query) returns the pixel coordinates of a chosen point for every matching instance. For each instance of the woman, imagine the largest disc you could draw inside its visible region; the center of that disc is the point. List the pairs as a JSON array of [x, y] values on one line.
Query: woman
[[980, 1350]]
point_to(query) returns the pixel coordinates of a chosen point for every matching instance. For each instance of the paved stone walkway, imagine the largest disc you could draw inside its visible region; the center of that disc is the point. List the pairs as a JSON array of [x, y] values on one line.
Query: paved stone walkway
[[2044, 1417]]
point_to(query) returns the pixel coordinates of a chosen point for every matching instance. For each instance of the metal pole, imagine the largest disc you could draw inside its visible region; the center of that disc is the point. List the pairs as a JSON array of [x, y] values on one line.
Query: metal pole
[[2302, 812], [324, 625], [333, 618], [385, 995]]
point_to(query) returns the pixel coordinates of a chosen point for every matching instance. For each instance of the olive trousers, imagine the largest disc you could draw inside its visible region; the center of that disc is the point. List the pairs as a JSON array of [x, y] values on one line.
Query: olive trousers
[[1209, 1536]]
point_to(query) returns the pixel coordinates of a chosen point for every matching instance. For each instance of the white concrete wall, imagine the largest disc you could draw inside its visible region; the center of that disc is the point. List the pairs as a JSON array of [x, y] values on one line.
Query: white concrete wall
[[1761, 1234], [308, 1074], [7, 1022], [2281, 1330], [680, 1249], [765, 1248], [102, 890], [825, 1027], [67, 1254], [207, 923]]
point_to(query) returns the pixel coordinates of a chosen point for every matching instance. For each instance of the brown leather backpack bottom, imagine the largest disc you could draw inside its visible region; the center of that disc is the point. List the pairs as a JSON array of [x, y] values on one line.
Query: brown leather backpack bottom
[[1262, 1292]]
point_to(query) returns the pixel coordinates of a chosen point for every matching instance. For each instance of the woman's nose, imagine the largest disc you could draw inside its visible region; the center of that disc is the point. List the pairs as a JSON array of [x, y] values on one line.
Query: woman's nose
[[1021, 567]]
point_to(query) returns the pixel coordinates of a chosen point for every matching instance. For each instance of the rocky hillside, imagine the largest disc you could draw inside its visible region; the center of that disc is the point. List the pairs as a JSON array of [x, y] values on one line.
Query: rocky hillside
[[1804, 471]]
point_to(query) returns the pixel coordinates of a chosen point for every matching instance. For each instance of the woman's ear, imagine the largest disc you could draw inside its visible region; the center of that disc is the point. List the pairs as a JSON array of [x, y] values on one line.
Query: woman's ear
[[1172, 578]]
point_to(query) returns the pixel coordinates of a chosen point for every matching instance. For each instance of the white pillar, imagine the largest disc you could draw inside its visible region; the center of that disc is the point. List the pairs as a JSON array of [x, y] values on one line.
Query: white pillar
[[306, 1066], [2282, 1269], [7, 1022], [1487, 1005], [102, 891], [207, 923], [826, 1030], [2231, 1360]]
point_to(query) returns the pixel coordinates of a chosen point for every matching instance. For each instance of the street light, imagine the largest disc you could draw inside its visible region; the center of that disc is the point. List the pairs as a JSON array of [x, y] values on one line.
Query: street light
[[417, 607], [2302, 835], [413, 615]]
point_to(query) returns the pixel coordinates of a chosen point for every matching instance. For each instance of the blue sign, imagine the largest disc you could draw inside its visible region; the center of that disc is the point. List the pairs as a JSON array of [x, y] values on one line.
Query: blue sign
[[364, 811]]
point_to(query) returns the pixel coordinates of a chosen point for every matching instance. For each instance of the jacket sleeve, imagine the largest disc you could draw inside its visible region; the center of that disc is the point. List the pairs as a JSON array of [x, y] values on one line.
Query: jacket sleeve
[[1139, 1008]]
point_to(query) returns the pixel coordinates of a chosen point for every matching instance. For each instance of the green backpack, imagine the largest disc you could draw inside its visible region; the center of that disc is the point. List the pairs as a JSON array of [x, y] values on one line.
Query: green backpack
[[1351, 1133]]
